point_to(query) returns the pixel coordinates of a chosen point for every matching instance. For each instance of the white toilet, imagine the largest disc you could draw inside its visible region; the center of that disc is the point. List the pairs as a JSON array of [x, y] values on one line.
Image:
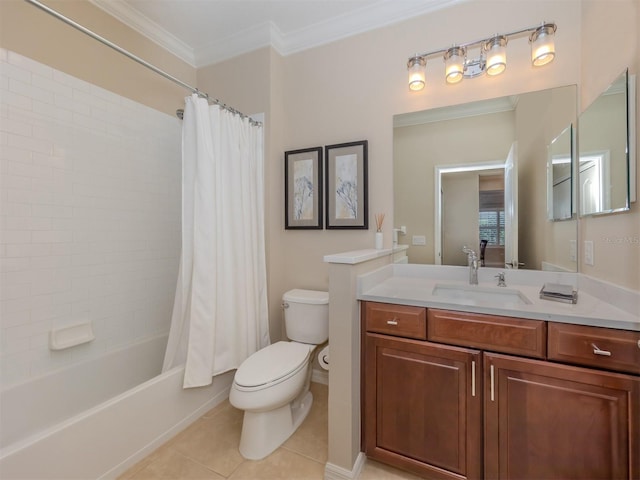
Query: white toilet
[[272, 385]]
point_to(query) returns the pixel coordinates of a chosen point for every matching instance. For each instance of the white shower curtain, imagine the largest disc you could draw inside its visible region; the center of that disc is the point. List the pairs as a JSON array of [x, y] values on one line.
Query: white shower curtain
[[220, 314]]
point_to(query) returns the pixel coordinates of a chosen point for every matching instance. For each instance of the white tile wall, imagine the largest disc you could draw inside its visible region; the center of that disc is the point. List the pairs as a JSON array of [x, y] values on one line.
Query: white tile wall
[[90, 216]]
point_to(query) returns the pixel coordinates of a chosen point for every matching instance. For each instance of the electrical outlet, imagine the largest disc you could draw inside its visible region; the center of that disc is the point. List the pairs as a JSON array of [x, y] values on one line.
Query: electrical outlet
[[588, 252], [573, 250]]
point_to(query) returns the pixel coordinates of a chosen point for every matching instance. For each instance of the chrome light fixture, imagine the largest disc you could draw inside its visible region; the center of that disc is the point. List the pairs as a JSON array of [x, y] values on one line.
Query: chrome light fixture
[[543, 48], [454, 64], [416, 67], [492, 58], [496, 49]]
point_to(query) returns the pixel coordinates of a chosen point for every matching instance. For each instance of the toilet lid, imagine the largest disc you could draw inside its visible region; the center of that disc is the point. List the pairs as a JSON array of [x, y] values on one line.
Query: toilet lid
[[272, 363]]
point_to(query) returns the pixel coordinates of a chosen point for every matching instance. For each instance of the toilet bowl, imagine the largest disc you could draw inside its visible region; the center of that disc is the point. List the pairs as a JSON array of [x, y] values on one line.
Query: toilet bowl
[[272, 385]]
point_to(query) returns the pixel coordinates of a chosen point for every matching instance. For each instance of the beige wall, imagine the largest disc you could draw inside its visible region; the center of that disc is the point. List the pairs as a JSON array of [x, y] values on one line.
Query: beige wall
[[33, 33], [616, 238]]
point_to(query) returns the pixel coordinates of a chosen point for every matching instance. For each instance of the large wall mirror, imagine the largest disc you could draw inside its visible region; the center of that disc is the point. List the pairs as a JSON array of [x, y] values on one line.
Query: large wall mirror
[[476, 175], [560, 177], [606, 178]]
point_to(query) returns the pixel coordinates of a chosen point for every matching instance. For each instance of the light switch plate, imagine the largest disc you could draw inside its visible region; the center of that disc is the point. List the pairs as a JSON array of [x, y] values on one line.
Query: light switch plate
[[573, 250], [588, 252], [418, 240]]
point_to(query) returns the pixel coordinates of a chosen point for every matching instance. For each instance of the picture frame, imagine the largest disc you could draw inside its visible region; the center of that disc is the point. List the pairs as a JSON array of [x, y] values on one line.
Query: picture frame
[[303, 176], [346, 185]]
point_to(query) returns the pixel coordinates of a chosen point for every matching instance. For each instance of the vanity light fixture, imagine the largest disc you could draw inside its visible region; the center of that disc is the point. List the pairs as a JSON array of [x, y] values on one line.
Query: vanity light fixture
[[543, 49], [492, 59], [496, 49], [416, 67], [454, 64]]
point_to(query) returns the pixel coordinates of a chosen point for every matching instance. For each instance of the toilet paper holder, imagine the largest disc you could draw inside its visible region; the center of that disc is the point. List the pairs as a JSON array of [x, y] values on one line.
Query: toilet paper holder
[[323, 358]]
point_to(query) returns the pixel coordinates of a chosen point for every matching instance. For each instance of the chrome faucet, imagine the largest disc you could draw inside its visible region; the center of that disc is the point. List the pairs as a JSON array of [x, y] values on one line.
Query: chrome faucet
[[501, 282], [472, 259]]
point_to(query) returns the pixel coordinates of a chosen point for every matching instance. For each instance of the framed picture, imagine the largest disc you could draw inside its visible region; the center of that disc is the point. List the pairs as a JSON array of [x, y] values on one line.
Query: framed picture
[[346, 185], [303, 188]]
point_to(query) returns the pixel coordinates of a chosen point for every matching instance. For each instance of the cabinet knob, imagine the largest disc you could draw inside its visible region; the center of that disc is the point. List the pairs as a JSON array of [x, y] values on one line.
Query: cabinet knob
[[597, 351], [393, 321]]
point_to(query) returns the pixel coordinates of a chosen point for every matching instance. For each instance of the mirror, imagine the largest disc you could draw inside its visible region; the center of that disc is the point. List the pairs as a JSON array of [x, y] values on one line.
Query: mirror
[[603, 135], [432, 148], [560, 188]]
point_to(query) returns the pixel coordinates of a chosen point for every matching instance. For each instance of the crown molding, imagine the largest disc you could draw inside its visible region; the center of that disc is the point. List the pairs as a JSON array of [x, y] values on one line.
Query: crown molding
[[248, 40], [472, 109], [380, 14], [141, 24]]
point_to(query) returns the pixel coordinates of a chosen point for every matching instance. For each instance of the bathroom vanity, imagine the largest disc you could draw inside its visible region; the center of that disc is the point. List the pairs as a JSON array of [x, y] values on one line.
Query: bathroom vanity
[[493, 387]]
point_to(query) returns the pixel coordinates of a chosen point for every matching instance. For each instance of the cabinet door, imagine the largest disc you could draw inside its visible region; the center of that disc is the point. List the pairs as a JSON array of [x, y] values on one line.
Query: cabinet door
[[423, 407], [551, 421]]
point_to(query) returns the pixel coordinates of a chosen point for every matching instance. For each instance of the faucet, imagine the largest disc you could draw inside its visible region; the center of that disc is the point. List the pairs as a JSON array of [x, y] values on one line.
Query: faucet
[[501, 282], [472, 259]]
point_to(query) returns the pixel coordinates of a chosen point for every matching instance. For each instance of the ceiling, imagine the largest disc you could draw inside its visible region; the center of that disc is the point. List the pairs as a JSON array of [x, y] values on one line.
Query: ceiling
[[204, 32]]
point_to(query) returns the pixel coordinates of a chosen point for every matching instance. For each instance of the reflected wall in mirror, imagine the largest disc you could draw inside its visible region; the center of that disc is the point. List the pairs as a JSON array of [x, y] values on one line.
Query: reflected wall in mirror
[[483, 132], [603, 136], [560, 188]]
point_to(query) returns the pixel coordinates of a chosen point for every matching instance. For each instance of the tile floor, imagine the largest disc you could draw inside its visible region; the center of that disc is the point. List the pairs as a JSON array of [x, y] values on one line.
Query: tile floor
[[208, 449]]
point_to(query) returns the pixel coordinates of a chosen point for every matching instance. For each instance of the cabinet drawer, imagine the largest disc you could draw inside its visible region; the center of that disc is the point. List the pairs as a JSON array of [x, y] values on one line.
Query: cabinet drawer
[[399, 320], [595, 346], [488, 332]]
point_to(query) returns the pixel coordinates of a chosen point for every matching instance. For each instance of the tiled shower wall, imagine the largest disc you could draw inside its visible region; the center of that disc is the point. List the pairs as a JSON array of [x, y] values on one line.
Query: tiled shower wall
[[90, 217]]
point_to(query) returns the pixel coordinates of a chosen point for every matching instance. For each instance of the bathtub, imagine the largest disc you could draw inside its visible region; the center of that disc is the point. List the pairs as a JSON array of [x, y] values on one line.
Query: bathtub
[[98, 418]]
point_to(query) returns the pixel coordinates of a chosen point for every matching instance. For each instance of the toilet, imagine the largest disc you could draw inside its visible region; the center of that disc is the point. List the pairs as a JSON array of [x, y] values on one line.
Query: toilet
[[272, 385]]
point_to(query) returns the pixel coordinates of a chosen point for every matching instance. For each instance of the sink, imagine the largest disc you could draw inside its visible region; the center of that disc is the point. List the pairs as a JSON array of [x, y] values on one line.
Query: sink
[[488, 295]]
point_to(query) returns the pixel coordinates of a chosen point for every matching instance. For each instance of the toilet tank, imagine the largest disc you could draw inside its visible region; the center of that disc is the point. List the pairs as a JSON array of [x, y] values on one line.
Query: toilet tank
[[306, 316]]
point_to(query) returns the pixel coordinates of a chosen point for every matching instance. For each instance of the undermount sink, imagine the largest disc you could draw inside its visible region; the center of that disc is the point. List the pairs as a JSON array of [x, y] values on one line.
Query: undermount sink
[[490, 295]]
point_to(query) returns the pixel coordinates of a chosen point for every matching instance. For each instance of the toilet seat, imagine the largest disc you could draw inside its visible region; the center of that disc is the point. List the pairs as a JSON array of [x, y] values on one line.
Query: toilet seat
[[272, 364]]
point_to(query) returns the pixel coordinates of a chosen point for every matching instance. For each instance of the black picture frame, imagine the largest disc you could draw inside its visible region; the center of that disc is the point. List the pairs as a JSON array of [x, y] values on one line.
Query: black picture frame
[[346, 185], [303, 176]]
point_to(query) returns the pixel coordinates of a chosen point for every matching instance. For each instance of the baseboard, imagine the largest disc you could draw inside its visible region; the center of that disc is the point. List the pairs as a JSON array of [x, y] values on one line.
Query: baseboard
[[334, 472], [320, 376]]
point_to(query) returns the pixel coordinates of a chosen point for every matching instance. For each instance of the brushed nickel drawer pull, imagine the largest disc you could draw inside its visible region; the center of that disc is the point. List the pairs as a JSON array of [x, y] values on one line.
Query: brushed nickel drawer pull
[[597, 351], [392, 322], [473, 378], [493, 398]]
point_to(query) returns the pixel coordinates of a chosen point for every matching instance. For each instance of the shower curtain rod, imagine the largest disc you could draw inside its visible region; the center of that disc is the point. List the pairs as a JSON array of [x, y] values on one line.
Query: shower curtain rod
[[137, 59]]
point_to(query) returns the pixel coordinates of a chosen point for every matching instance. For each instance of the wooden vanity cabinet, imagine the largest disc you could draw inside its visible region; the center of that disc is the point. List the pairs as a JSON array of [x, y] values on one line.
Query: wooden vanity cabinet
[[545, 420], [514, 399], [422, 403]]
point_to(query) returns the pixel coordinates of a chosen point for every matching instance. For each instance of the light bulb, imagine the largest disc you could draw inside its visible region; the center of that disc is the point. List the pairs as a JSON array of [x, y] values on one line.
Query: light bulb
[[416, 67], [496, 49], [543, 49], [454, 64]]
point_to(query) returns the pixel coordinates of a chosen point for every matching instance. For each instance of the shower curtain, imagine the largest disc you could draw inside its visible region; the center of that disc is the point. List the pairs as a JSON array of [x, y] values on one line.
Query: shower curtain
[[220, 314]]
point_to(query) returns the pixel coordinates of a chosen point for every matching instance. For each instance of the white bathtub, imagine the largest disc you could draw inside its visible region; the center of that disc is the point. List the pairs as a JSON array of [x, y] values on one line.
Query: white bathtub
[[96, 419]]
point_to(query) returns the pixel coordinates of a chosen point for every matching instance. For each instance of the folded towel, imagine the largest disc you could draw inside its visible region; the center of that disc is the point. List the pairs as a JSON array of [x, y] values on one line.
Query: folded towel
[[558, 289], [559, 293]]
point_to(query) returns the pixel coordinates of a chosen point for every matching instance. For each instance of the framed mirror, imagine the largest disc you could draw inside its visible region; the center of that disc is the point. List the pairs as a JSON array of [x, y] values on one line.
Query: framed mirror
[[430, 145], [560, 185], [606, 175]]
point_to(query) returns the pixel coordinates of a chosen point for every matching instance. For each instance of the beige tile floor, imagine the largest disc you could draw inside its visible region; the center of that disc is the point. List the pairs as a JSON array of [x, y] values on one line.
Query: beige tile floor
[[208, 449]]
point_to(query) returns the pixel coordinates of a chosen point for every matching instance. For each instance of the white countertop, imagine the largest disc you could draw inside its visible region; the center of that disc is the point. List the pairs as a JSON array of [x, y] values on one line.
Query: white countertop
[[599, 303]]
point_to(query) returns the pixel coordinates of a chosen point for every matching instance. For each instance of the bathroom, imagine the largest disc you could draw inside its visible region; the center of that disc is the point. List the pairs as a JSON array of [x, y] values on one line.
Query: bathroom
[[343, 91]]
